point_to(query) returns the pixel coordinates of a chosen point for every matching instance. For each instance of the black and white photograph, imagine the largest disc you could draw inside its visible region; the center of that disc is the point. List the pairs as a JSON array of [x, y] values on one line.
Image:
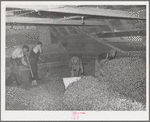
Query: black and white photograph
[[75, 57]]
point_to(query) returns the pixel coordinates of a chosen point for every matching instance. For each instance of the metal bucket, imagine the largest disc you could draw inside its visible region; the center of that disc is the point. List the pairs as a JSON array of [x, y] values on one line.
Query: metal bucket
[[70, 80]]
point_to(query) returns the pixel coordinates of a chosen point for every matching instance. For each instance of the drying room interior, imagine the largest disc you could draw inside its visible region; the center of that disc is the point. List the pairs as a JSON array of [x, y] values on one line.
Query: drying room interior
[[83, 31]]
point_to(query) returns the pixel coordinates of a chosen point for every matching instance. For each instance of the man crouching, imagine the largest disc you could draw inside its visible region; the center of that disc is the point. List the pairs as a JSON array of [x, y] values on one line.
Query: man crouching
[[76, 67], [101, 60]]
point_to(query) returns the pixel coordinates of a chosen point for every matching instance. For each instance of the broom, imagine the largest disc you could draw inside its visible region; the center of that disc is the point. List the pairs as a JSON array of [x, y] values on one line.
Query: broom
[[34, 82]]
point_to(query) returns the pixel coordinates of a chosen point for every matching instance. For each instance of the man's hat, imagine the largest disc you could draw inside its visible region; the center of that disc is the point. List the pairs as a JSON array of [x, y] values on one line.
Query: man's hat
[[74, 58], [27, 47]]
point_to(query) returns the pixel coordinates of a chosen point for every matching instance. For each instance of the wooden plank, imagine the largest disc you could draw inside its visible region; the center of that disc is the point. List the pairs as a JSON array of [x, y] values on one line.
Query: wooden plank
[[59, 31], [67, 30], [76, 37], [122, 33], [125, 25], [101, 41], [71, 17], [140, 39], [51, 31], [9, 13], [50, 21], [60, 44], [109, 25], [83, 11], [82, 28]]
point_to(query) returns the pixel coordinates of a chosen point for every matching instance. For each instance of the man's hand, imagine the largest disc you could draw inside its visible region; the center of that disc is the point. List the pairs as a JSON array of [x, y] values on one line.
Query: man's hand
[[42, 60]]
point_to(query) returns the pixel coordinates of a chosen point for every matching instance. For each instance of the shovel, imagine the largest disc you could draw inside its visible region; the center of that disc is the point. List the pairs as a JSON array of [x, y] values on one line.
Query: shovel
[[34, 82]]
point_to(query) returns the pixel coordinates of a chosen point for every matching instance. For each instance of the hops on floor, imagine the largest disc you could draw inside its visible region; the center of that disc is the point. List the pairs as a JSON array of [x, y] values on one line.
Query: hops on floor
[[90, 94], [43, 97], [128, 76]]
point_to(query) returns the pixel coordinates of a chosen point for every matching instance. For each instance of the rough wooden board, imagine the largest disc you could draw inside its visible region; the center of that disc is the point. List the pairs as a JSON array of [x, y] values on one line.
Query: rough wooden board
[[52, 32], [59, 31], [130, 46], [23, 20], [101, 41], [83, 11], [109, 24], [135, 39], [67, 30]]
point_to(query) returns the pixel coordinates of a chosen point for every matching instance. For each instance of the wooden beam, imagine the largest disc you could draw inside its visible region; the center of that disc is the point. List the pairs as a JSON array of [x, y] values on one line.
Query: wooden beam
[[133, 32], [81, 28], [71, 17], [58, 30], [125, 39], [67, 30], [51, 21], [60, 45], [109, 25], [125, 25], [51, 31], [82, 10], [101, 41]]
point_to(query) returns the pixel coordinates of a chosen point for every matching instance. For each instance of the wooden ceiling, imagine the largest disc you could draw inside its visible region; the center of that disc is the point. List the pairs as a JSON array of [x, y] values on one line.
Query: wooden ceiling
[[116, 18], [76, 12], [103, 21]]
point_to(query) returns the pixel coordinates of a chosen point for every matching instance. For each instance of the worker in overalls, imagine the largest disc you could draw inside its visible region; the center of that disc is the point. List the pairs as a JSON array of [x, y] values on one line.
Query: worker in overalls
[[17, 56], [33, 59], [76, 67], [101, 60]]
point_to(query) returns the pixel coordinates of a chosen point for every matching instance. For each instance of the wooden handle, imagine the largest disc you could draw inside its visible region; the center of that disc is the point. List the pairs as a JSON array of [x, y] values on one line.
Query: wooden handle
[[29, 66]]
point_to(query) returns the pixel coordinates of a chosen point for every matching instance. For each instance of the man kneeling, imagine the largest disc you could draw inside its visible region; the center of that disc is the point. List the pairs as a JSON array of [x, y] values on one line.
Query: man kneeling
[[76, 67], [101, 60]]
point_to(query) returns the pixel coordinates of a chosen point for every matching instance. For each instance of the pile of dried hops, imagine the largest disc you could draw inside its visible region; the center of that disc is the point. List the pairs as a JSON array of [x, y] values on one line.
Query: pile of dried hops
[[127, 76], [17, 96], [43, 97], [90, 94]]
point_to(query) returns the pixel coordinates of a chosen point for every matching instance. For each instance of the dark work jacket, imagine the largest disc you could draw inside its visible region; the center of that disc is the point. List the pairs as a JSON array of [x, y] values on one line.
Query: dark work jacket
[[33, 56], [104, 56]]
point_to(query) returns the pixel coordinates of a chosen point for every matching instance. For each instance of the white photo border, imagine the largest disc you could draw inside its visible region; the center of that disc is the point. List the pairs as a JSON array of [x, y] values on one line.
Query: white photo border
[[67, 115]]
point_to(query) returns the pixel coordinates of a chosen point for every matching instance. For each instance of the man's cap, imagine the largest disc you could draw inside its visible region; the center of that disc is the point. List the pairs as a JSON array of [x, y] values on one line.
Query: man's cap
[[112, 50], [27, 47], [39, 43], [75, 58]]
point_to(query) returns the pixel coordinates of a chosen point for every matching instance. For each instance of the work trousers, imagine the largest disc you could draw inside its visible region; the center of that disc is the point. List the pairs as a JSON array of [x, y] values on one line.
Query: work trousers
[[15, 72], [34, 68], [33, 59]]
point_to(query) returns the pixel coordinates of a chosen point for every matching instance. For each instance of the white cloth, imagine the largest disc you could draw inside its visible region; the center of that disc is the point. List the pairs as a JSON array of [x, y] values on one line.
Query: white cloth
[[17, 53], [37, 48]]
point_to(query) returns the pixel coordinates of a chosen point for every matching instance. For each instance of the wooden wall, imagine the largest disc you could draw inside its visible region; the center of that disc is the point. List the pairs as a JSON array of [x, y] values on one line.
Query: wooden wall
[[60, 43]]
